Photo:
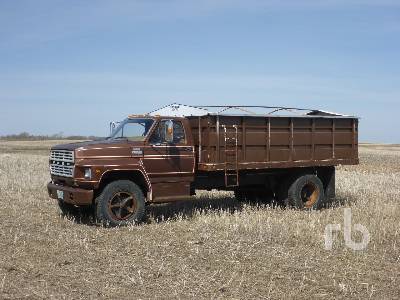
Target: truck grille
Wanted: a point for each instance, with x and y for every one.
(62, 163)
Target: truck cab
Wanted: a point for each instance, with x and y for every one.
(145, 159)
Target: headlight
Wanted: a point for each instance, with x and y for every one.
(88, 173)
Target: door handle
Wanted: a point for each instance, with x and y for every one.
(187, 149)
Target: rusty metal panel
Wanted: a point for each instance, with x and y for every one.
(322, 137)
(343, 138)
(279, 153)
(272, 141)
(343, 151)
(255, 138)
(302, 138)
(303, 152)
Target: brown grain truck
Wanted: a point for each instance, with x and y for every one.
(285, 154)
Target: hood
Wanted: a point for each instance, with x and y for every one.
(73, 146)
(100, 148)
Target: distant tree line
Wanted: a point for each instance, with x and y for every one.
(25, 136)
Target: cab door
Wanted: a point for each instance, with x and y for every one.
(182, 150)
(169, 161)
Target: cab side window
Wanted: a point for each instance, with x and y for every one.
(179, 133)
(158, 136)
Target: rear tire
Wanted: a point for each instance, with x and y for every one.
(120, 203)
(305, 192)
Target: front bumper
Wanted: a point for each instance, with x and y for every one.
(71, 195)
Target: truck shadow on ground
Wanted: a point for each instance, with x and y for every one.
(157, 213)
(189, 209)
(186, 210)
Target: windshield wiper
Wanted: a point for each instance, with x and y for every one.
(120, 138)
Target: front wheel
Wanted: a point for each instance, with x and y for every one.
(120, 203)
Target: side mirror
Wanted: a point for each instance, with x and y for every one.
(169, 131)
(113, 126)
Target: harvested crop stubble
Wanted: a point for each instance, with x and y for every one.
(212, 247)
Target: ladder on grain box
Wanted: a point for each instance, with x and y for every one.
(231, 155)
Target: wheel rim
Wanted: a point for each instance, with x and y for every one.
(309, 194)
(122, 206)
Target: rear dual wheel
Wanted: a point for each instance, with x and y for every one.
(305, 192)
(120, 203)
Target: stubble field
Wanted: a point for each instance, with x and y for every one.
(213, 247)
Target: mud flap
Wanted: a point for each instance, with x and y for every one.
(327, 175)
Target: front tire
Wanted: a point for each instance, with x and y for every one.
(120, 203)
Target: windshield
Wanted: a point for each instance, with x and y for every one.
(132, 129)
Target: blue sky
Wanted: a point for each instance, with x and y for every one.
(72, 66)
